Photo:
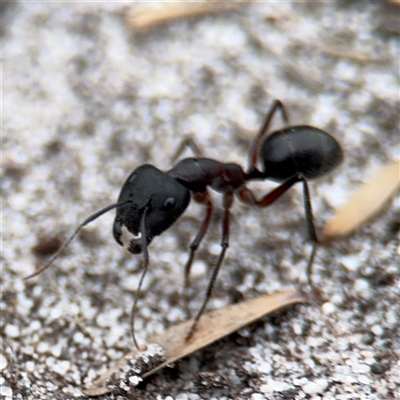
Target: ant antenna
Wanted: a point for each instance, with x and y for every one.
(71, 238)
(145, 269)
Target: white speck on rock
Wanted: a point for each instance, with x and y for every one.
(361, 285)
(265, 368)
(33, 326)
(391, 317)
(318, 386)
(50, 361)
(62, 367)
(12, 331)
(274, 386)
(30, 366)
(42, 347)
(368, 355)
(297, 329)
(199, 269)
(300, 382)
(79, 337)
(314, 342)
(103, 320)
(135, 380)
(360, 368)
(257, 396)
(377, 330)
(352, 263)
(56, 350)
(328, 308)
(364, 380)
(214, 249)
(124, 386)
(3, 361)
(6, 391)
(76, 392)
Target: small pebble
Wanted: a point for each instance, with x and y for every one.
(328, 308)
(61, 367)
(315, 387)
(42, 347)
(11, 331)
(352, 263)
(30, 366)
(377, 330)
(3, 361)
(135, 380)
(361, 285)
(6, 391)
(364, 380)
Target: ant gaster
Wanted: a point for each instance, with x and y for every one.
(151, 200)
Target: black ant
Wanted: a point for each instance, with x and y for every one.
(152, 200)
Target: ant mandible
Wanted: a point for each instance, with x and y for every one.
(151, 200)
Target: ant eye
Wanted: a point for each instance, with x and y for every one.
(169, 203)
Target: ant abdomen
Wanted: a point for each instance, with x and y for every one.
(299, 150)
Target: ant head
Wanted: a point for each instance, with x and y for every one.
(153, 195)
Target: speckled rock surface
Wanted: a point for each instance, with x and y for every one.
(85, 100)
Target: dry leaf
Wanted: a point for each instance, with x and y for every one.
(150, 16)
(365, 203)
(212, 326)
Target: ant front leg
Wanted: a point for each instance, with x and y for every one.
(257, 141)
(247, 196)
(202, 198)
(227, 204)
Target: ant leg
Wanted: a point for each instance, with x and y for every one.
(187, 142)
(247, 196)
(227, 203)
(311, 230)
(255, 144)
(202, 198)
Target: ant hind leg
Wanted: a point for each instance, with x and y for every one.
(312, 234)
(257, 141)
(246, 196)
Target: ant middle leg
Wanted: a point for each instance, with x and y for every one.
(227, 204)
(257, 141)
(202, 198)
(187, 142)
